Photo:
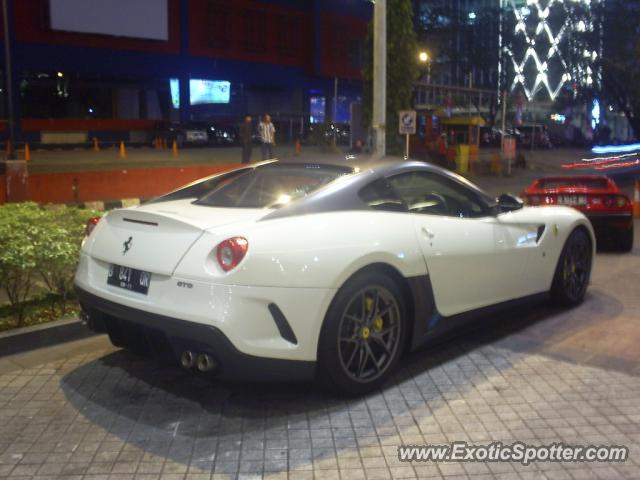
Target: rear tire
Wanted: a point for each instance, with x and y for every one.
(363, 334)
(625, 240)
(573, 270)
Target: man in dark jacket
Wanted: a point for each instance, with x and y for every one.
(245, 139)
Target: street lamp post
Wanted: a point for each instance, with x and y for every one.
(379, 76)
(11, 153)
(424, 58)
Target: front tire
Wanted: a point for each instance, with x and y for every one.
(573, 270)
(363, 334)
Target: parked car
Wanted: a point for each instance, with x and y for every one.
(189, 134)
(538, 133)
(490, 136)
(286, 270)
(220, 134)
(597, 196)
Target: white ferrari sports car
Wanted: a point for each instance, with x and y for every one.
(289, 270)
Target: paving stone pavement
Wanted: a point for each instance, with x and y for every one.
(85, 410)
(109, 414)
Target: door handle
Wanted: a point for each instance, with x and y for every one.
(428, 233)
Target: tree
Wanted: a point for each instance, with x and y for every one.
(621, 59)
(401, 69)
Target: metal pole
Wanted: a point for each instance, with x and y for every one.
(504, 127)
(533, 130)
(11, 153)
(335, 99)
(406, 148)
(380, 76)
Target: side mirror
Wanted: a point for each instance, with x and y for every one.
(508, 202)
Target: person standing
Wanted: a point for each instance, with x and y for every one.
(268, 137)
(245, 139)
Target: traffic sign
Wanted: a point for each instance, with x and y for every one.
(407, 122)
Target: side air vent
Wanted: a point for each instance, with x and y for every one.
(541, 230)
(284, 328)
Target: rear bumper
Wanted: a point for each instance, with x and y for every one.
(605, 222)
(168, 337)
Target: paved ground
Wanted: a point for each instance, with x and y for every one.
(85, 410)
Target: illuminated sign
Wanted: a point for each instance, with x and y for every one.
(209, 91)
(548, 44)
(174, 86)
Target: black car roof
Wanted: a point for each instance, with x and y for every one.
(342, 194)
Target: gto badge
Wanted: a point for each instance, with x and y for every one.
(555, 229)
(126, 246)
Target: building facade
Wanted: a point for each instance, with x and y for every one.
(548, 46)
(102, 66)
(461, 38)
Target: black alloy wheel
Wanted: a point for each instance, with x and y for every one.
(363, 334)
(573, 271)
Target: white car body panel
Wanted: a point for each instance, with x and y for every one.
(299, 262)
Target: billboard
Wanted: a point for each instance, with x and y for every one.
(209, 91)
(147, 19)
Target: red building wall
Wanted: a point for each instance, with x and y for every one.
(250, 31)
(342, 41)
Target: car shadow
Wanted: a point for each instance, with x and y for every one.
(275, 427)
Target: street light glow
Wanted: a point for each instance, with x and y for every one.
(424, 57)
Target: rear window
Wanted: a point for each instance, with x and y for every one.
(269, 186)
(596, 183)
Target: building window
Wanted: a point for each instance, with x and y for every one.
(286, 35)
(218, 26)
(255, 32)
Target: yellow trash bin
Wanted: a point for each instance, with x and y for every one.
(462, 160)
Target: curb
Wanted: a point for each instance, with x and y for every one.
(45, 335)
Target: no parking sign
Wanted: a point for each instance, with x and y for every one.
(407, 126)
(407, 122)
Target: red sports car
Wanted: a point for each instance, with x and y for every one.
(598, 197)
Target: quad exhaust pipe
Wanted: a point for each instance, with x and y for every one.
(203, 362)
(187, 359)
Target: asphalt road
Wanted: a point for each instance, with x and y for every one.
(86, 410)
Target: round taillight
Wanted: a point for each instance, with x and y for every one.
(91, 224)
(231, 251)
(622, 201)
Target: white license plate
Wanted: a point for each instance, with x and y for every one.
(572, 200)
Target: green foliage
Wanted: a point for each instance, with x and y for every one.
(39, 249)
(402, 69)
(19, 225)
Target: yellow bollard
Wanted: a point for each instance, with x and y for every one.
(27, 152)
(174, 149)
(96, 145)
(123, 150)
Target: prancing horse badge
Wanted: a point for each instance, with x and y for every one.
(126, 246)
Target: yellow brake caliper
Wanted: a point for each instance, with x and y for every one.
(378, 323)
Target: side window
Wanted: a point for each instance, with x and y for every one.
(380, 196)
(433, 194)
